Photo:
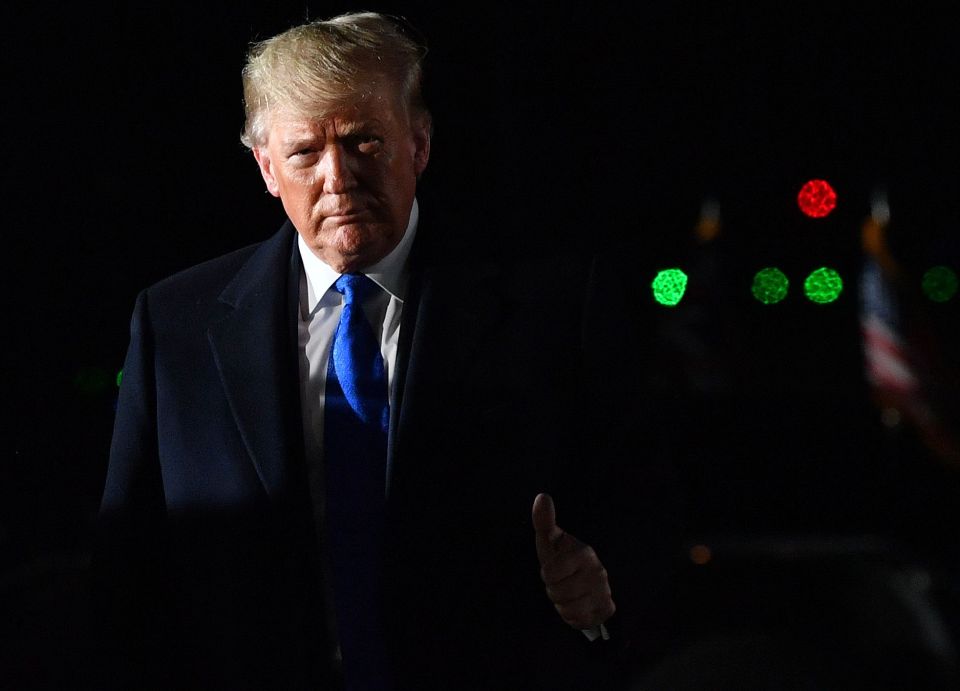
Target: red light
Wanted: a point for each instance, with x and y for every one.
(817, 198)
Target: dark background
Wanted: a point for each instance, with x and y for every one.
(597, 129)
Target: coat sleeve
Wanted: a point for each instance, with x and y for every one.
(133, 480)
(128, 582)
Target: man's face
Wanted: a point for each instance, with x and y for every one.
(347, 182)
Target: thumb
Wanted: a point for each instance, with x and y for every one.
(545, 524)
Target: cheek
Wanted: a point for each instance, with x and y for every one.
(300, 202)
(303, 189)
(303, 179)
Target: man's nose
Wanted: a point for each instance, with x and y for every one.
(336, 166)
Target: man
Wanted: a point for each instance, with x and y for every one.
(263, 528)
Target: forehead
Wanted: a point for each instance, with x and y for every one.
(381, 108)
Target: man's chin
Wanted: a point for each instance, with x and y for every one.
(354, 247)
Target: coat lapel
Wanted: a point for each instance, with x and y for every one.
(254, 346)
(448, 313)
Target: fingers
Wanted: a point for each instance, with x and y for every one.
(567, 557)
(585, 581)
(587, 612)
(583, 600)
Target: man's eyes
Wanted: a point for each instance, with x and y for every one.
(367, 144)
(301, 152)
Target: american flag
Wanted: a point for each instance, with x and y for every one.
(892, 365)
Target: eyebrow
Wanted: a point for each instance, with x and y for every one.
(349, 127)
(354, 126)
(299, 142)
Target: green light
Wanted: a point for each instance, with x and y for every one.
(823, 285)
(770, 285)
(669, 287)
(119, 378)
(940, 283)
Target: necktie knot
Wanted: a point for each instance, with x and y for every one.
(355, 288)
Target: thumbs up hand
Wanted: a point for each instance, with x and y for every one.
(575, 579)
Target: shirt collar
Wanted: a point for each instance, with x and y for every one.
(390, 273)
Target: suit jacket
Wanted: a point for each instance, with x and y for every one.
(209, 559)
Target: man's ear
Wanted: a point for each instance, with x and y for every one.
(422, 127)
(266, 170)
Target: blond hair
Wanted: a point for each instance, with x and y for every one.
(320, 67)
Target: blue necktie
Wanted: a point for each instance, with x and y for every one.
(356, 417)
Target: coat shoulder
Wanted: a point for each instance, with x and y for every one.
(202, 290)
(207, 278)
